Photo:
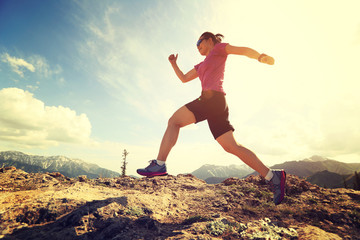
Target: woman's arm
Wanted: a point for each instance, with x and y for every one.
(249, 52)
(192, 74)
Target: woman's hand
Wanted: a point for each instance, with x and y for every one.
(173, 58)
(263, 58)
(192, 74)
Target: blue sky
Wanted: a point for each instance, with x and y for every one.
(87, 79)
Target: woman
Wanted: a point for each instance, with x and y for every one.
(212, 106)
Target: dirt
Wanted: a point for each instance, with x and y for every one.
(52, 206)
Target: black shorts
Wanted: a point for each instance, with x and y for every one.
(212, 106)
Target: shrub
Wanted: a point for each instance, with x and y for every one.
(134, 211)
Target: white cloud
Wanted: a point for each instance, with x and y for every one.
(25, 121)
(36, 64)
(43, 68)
(18, 65)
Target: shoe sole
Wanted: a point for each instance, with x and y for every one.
(153, 174)
(157, 175)
(282, 185)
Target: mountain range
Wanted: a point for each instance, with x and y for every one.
(66, 166)
(216, 174)
(333, 180)
(309, 166)
(318, 170)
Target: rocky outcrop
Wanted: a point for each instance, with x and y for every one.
(51, 206)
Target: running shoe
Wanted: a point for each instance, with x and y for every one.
(154, 169)
(278, 185)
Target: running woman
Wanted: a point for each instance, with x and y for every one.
(212, 106)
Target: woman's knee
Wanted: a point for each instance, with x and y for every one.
(181, 118)
(174, 121)
(230, 147)
(234, 148)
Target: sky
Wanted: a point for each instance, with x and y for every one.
(88, 79)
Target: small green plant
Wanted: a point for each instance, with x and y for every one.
(262, 194)
(220, 227)
(216, 228)
(241, 227)
(134, 211)
(251, 189)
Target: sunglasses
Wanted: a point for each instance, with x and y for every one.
(199, 41)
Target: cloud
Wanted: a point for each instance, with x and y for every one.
(18, 65)
(43, 69)
(36, 64)
(25, 121)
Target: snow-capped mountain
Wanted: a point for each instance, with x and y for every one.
(66, 166)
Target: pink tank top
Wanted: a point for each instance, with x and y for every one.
(211, 70)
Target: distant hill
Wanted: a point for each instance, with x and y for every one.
(310, 166)
(318, 170)
(321, 171)
(216, 174)
(215, 180)
(332, 180)
(66, 166)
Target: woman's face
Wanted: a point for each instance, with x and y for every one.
(204, 45)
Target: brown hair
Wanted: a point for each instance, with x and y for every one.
(217, 38)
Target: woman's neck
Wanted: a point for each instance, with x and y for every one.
(209, 50)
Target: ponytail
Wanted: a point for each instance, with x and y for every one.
(219, 37)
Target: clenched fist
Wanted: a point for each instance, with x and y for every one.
(173, 58)
(263, 58)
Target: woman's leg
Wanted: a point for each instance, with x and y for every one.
(228, 142)
(179, 119)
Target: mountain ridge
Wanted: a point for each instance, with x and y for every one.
(307, 167)
(66, 166)
(304, 168)
(328, 179)
(211, 172)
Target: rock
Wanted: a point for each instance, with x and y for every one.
(114, 229)
(230, 181)
(148, 223)
(10, 168)
(56, 175)
(82, 178)
(312, 232)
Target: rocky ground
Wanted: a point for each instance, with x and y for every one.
(51, 206)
